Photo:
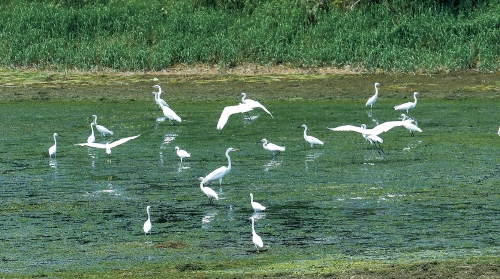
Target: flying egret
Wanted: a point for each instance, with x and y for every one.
(147, 224)
(91, 138)
(310, 139)
(275, 149)
(107, 145)
(169, 113)
(371, 135)
(253, 103)
(409, 105)
(257, 241)
(53, 148)
(230, 110)
(158, 98)
(373, 99)
(255, 205)
(219, 173)
(182, 153)
(101, 129)
(209, 192)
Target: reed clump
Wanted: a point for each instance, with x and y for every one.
(373, 36)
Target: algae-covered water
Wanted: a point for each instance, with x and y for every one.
(431, 196)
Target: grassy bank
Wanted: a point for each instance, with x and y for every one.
(374, 36)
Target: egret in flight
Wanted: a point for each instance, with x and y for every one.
(275, 149)
(255, 205)
(409, 105)
(101, 129)
(158, 98)
(147, 224)
(371, 135)
(310, 139)
(373, 99)
(211, 194)
(108, 145)
(230, 110)
(253, 103)
(257, 241)
(219, 173)
(91, 138)
(53, 148)
(182, 153)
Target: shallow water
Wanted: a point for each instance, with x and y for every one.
(431, 196)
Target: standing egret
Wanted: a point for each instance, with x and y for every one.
(101, 129)
(169, 113)
(91, 138)
(408, 124)
(409, 105)
(53, 148)
(255, 205)
(147, 224)
(373, 99)
(219, 173)
(158, 98)
(253, 103)
(499, 131)
(257, 241)
(209, 192)
(230, 110)
(310, 139)
(272, 147)
(107, 145)
(182, 153)
(371, 135)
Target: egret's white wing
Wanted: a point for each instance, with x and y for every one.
(120, 141)
(349, 128)
(93, 144)
(272, 146)
(214, 175)
(170, 114)
(230, 110)
(384, 127)
(255, 104)
(103, 130)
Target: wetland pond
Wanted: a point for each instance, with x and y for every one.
(429, 197)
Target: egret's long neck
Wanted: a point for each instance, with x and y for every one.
(95, 119)
(415, 97)
(253, 229)
(92, 128)
(251, 198)
(201, 185)
(243, 98)
(55, 140)
(228, 160)
(376, 90)
(148, 214)
(305, 132)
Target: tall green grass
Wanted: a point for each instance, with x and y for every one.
(391, 36)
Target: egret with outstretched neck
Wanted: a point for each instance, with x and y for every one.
(409, 105)
(310, 139)
(91, 138)
(373, 99)
(147, 224)
(53, 148)
(101, 129)
(219, 173)
(107, 145)
(158, 98)
(257, 241)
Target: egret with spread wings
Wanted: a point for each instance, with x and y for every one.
(107, 145)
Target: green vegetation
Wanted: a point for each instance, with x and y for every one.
(374, 36)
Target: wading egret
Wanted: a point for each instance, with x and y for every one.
(182, 153)
(255, 205)
(230, 110)
(408, 124)
(91, 138)
(373, 99)
(53, 148)
(107, 145)
(371, 135)
(275, 149)
(409, 105)
(169, 113)
(158, 98)
(257, 241)
(310, 139)
(253, 103)
(101, 129)
(219, 173)
(147, 224)
(211, 194)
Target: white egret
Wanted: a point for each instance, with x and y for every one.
(275, 149)
(499, 131)
(257, 241)
(408, 124)
(409, 105)
(107, 145)
(253, 103)
(169, 113)
(211, 194)
(310, 139)
(255, 205)
(373, 99)
(147, 224)
(230, 110)
(101, 129)
(158, 98)
(219, 173)
(182, 153)
(91, 138)
(371, 135)
(53, 148)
